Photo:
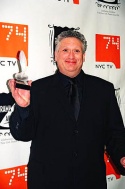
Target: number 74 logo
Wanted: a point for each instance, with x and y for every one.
(13, 38)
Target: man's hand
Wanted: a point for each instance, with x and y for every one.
(21, 96)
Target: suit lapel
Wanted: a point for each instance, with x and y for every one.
(82, 104)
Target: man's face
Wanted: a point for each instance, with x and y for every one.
(69, 56)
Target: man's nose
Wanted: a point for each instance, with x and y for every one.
(71, 54)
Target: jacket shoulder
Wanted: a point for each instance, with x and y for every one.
(97, 81)
(42, 82)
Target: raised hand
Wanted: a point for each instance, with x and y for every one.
(21, 96)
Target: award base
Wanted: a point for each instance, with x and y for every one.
(22, 85)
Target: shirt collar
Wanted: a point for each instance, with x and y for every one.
(65, 79)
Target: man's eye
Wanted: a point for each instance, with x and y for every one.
(65, 50)
(77, 50)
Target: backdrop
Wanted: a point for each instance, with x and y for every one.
(31, 26)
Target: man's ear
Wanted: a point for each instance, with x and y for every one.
(84, 57)
(55, 55)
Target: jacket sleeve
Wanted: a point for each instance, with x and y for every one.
(19, 127)
(115, 145)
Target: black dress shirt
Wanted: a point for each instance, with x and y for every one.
(65, 81)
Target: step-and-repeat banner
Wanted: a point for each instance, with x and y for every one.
(32, 26)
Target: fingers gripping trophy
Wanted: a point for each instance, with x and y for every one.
(20, 85)
(21, 77)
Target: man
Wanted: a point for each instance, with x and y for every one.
(67, 150)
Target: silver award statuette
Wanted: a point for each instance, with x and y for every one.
(21, 77)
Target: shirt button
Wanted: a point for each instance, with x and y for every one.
(76, 131)
(75, 154)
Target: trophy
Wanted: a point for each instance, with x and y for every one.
(21, 77)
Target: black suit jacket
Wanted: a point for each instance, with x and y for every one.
(65, 153)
